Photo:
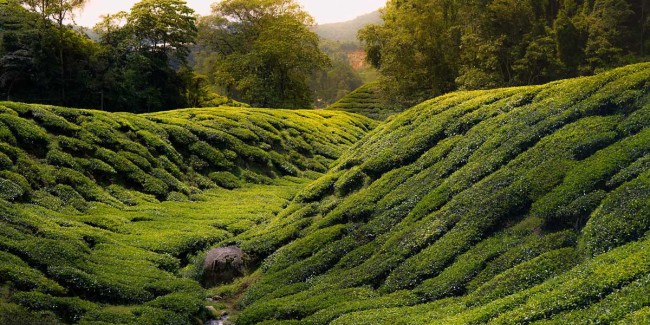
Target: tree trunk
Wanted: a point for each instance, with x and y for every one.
(62, 72)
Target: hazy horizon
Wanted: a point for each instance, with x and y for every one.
(324, 12)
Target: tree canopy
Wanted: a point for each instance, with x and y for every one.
(429, 47)
(262, 51)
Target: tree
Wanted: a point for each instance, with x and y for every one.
(416, 50)
(163, 25)
(57, 11)
(429, 47)
(265, 51)
(143, 62)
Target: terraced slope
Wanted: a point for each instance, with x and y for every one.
(54, 154)
(365, 101)
(514, 205)
(84, 236)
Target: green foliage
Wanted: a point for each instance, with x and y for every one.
(509, 205)
(261, 52)
(164, 25)
(499, 43)
(84, 236)
(225, 180)
(365, 100)
(70, 309)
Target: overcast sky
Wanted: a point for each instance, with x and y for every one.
(325, 11)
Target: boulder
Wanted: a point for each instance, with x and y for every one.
(223, 265)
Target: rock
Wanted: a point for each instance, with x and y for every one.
(213, 311)
(223, 265)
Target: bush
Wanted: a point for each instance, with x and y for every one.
(5, 162)
(9, 190)
(59, 158)
(74, 145)
(226, 180)
(70, 197)
(18, 179)
(53, 122)
(177, 197)
(29, 135)
(71, 309)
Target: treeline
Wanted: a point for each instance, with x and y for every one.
(429, 47)
(138, 63)
(160, 55)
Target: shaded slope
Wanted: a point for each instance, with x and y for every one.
(366, 101)
(83, 234)
(508, 205)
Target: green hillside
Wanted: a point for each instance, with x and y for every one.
(365, 101)
(101, 214)
(515, 205)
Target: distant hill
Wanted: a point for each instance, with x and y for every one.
(347, 31)
(365, 101)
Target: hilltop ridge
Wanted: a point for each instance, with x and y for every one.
(347, 31)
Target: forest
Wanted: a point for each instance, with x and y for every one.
(271, 57)
(428, 48)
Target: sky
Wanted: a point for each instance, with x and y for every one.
(324, 11)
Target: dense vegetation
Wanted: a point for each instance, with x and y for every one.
(262, 51)
(456, 44)
(83, 233)
(139, 61)
(365, 100)
(136, 65)
(527, 204)
(512, 205)
(340, 78)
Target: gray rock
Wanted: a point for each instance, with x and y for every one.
(223, 265)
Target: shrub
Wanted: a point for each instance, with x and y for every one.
(74, 145)
(225, 180)
(623, 217)
(71, 309)
(29, 135)
(59, 158)
(211, 155)
(177, 197)
(9, 190)
(152, 185)
(70, 197)
(53, 122)
(6, 135)
(12, 314)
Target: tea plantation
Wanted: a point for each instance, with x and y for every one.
(365, 101)
(508, 206)
(102, 214)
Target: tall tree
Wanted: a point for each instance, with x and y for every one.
(416, 49)
(428, 47)
(57, 11)
(265, 51)
(167, 26)
(142, 64)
